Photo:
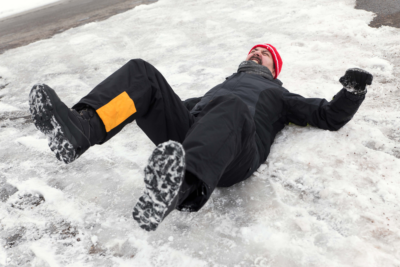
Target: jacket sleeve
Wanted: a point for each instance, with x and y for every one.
(321, 113)
(191, 102)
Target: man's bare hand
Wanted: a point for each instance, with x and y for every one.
(355, 80)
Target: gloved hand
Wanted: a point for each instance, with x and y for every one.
(355, 80)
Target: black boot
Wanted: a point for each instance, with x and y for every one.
(70, 133)
(163, 178)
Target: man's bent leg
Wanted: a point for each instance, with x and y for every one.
(135, 91)
(222, 140)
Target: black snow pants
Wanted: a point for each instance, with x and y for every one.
(219, 142)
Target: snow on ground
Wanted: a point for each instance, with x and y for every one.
(321, 199)
(8, 8)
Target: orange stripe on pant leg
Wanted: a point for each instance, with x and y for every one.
(116, 111)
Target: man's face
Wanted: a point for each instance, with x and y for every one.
(262, 56)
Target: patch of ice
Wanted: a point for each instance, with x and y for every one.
(32, 142)
(6, 107)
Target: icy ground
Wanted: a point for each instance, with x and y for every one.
(321, 199)
(12, 7)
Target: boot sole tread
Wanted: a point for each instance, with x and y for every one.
(43, 116)
(163, 178)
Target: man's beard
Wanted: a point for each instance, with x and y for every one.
(257, 59)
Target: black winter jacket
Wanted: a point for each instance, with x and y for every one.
(272, 106)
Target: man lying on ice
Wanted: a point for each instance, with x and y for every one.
(219, 139)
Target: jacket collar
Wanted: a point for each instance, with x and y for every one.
(254, 68)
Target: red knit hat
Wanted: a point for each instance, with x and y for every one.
(275, 57)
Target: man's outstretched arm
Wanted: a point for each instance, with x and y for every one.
(334, 114)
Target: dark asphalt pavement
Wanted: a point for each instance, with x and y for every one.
(43, 23)
(387, 11)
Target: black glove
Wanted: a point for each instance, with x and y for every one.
(355, 80)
